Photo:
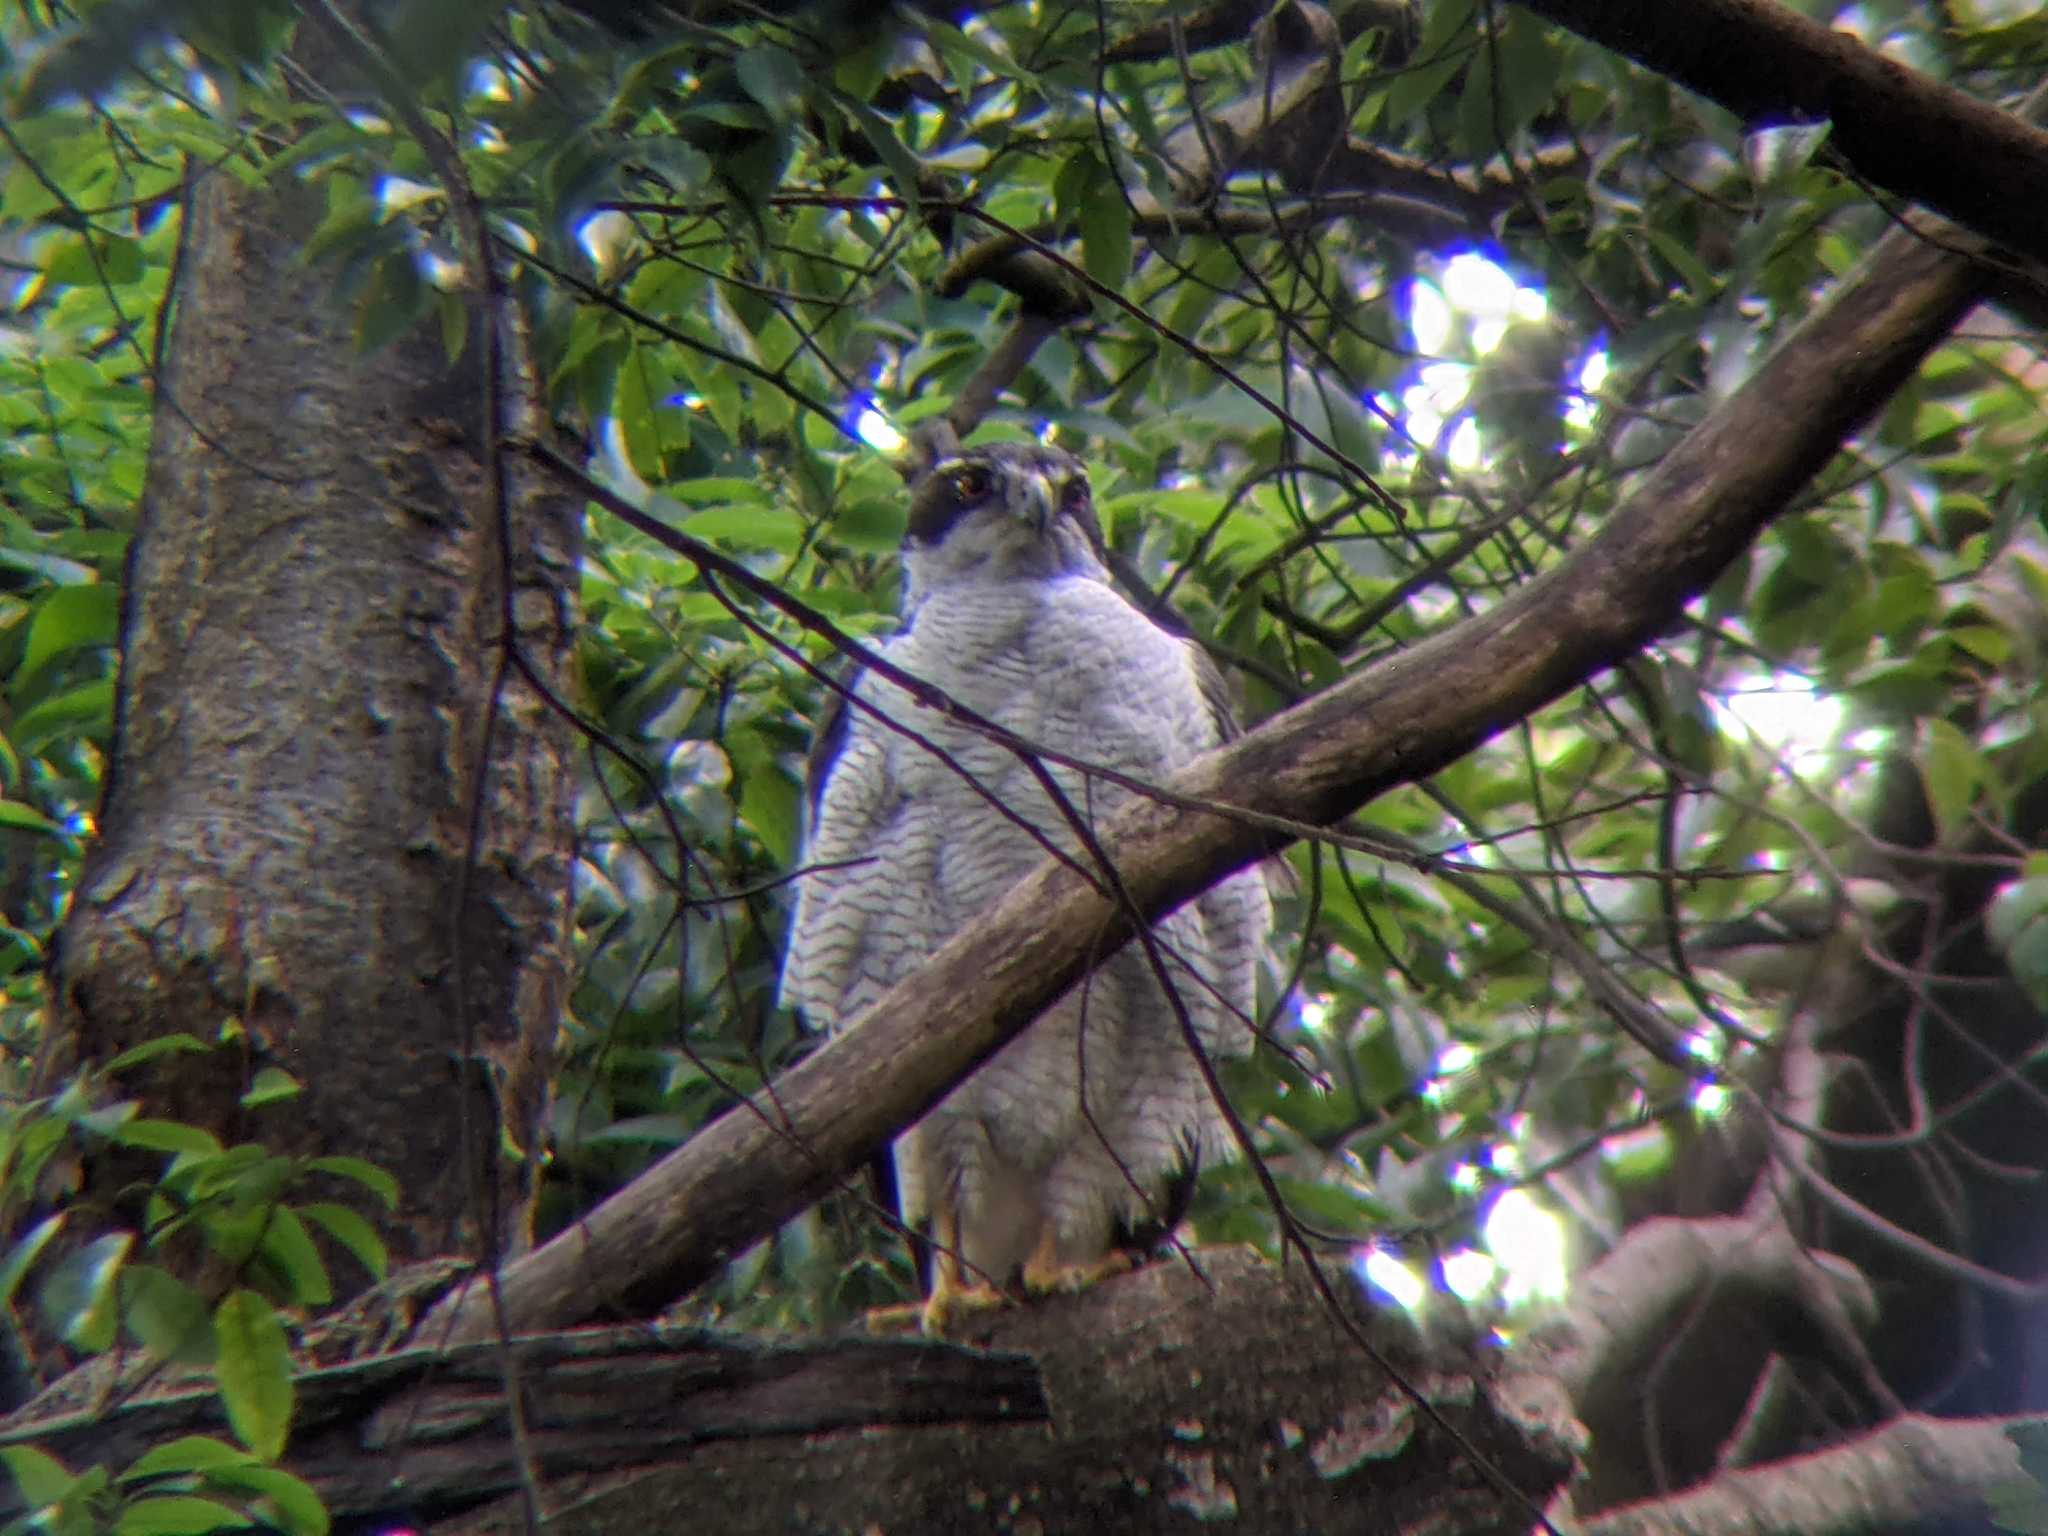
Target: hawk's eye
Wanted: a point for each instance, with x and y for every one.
(1074, 495)
(972, 483)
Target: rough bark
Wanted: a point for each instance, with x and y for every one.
(1139, 1404)
(1903, 130)
(423, 1434)
(307, 730)
(1172, 1405)
(1398, 721)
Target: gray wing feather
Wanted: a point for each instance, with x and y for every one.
(831, 740)
(847, 787)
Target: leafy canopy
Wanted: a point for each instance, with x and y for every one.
(1335, 392)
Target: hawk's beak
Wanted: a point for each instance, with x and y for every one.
(1037, 500)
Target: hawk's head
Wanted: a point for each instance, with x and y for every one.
(1004, 512)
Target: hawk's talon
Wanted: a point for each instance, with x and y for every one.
(951, 1304)
(1055, 1279)
(898, 1317)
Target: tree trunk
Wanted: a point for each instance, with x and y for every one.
(326, 817)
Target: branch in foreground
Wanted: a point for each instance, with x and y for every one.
(1177, 1395)
(425, 1432)
(1411, 715)
(1914, 1469)
(1901, 129)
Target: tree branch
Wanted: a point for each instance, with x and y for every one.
(1914, 1469)
(1901, 129)
(1629, 1308)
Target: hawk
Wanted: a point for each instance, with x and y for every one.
(1083, 1128)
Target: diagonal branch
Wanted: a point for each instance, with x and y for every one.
(1899, 128)
(1398, 721)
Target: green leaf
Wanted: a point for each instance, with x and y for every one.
(772, 76)
(430, 43)
(351, 223)
(271, 1085)
(162, 1045)
(752, 527)
(1984, 641)
(165, 1315)
(87, 710)
(47, 566)
(2017, 923)
(904, 169)
(454, 325)
(682, 167)
(1332, 1207)
(1105, 214)
(394, 302)
(2032, 1441)
(1198, 509)
(367, 1174)
(960, 48)
(69, 619)
(2019, 1505)
(179, 1514)
(23, 1255)
(76, 261)
(870, 523)
(188, 1453)
(716, 490)
(289, 1248)
(1513, 77)
(1445, 49)
(1951, 770)
(254, 1369)
(352, 1232)
(79, 1300)
(771, 806)
(1698, 279)
(294, 1506)
(166, 1136)
(41, 1477)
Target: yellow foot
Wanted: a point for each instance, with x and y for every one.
(951, 1304)
(1048, 1278)
(937, 1314)
(903, 1317)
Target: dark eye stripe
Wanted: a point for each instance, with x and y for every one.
(955, 487)
(940, 499)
